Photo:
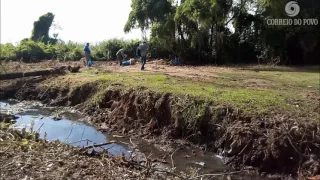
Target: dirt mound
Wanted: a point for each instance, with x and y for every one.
(280, 146)
(55, 71)
(271, 144)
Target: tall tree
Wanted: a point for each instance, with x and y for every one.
(200, 31)
(41, 27)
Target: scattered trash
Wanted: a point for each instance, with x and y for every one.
(56, 118)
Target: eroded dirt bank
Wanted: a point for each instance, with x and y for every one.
(274, 143)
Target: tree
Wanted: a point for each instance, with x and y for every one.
(200, 31)
(41, 27)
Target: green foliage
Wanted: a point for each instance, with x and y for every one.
(29, 50)
(145, 12)
(7, 51)
(41, 27)
(108, 49)
(68, 51)
(198, 30)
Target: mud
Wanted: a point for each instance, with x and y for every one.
(6, 118)
(270, 144)
(56, 71)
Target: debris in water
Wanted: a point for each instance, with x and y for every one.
(200, 163)
(218, 156)
(56, 118)
(117, 136)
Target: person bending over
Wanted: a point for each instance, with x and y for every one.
(120, 55)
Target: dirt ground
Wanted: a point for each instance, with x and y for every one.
(202, 73)
(155, 66)
(199, 73)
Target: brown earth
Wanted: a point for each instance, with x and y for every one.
(271, 144)
(204, 73)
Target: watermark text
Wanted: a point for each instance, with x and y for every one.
(290, 22)
(292, 9)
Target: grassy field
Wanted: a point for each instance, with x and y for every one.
(251, 89)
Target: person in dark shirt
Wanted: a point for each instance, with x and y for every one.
(143, 50)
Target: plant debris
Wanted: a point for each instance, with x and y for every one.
(24, 156)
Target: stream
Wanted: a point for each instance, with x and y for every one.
(72, 129)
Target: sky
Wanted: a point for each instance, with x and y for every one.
(81, 20)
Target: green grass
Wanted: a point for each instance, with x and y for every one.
(277, 79)
(279, 95)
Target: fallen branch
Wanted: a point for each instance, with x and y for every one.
(172, 157)
(99, 145)
(133, 144)
(1, 152)
(295, 149)
(222, 174)
(69, 135)
(81, 141)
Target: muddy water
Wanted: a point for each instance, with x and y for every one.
(71, 129)
(68, 129)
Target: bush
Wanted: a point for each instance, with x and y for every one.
(49, 50)
(107, 50)
(30, 51)
(68, 51)
(7, 52)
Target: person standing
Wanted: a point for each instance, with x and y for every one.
(143, 48)
(87, 54)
